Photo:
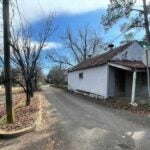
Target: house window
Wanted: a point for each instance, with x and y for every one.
(81, 75)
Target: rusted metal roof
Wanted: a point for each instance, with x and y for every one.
(130, 64)
(100, 59)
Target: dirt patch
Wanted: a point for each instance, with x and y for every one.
(24, 116)
(17, 98)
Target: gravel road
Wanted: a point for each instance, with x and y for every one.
(85, 125)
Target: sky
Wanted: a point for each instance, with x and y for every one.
(72, 13)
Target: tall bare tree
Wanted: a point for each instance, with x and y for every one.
(81, 44)
(26, 53)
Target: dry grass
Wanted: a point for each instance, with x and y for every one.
(15, 90)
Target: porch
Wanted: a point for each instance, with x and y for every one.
(127, 79)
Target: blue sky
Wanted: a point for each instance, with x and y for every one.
(74, 14)
(91, 18)
(73, 21)
(76, 21)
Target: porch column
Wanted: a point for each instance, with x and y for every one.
(133, 89)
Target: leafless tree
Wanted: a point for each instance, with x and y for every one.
(26, 53)
(81, 44)
(55, 57)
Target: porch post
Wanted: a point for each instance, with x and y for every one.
(133, 89)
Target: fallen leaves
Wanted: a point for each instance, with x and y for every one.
(124, 105)
(24, 116)
(121, 104)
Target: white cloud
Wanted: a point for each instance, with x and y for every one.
(32, 10)
(48, 45)
(52, 45)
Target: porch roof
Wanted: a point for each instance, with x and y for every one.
(128, 65)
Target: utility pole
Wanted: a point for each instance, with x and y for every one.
(7, 68)
(146, 23)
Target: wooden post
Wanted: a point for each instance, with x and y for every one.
(7, 69)
(133, 89)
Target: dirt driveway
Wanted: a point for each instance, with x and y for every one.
(86, 125)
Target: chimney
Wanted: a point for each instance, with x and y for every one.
(111, 46)
(90, 55)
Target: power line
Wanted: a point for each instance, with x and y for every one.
(117, 37)
(41, 8)
(16, 5)
(22, 5)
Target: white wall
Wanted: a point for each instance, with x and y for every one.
(94, 80)
(133, 52)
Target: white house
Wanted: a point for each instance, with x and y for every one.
(116, 73)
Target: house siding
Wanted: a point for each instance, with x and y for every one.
(95, 80)
(133, 52)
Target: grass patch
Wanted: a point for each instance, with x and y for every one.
(15, 90)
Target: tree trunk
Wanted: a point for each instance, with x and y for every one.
(28, 97)
(35, 84)
(31, 88)
(31, 93)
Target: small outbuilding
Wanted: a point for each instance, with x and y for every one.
(119, 72)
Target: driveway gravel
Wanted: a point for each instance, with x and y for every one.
(86, 125)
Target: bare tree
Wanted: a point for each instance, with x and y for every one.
(81, 44)
(127, 38)
(56, 76)
(136, 17)
(26, 54)
(55, 57)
